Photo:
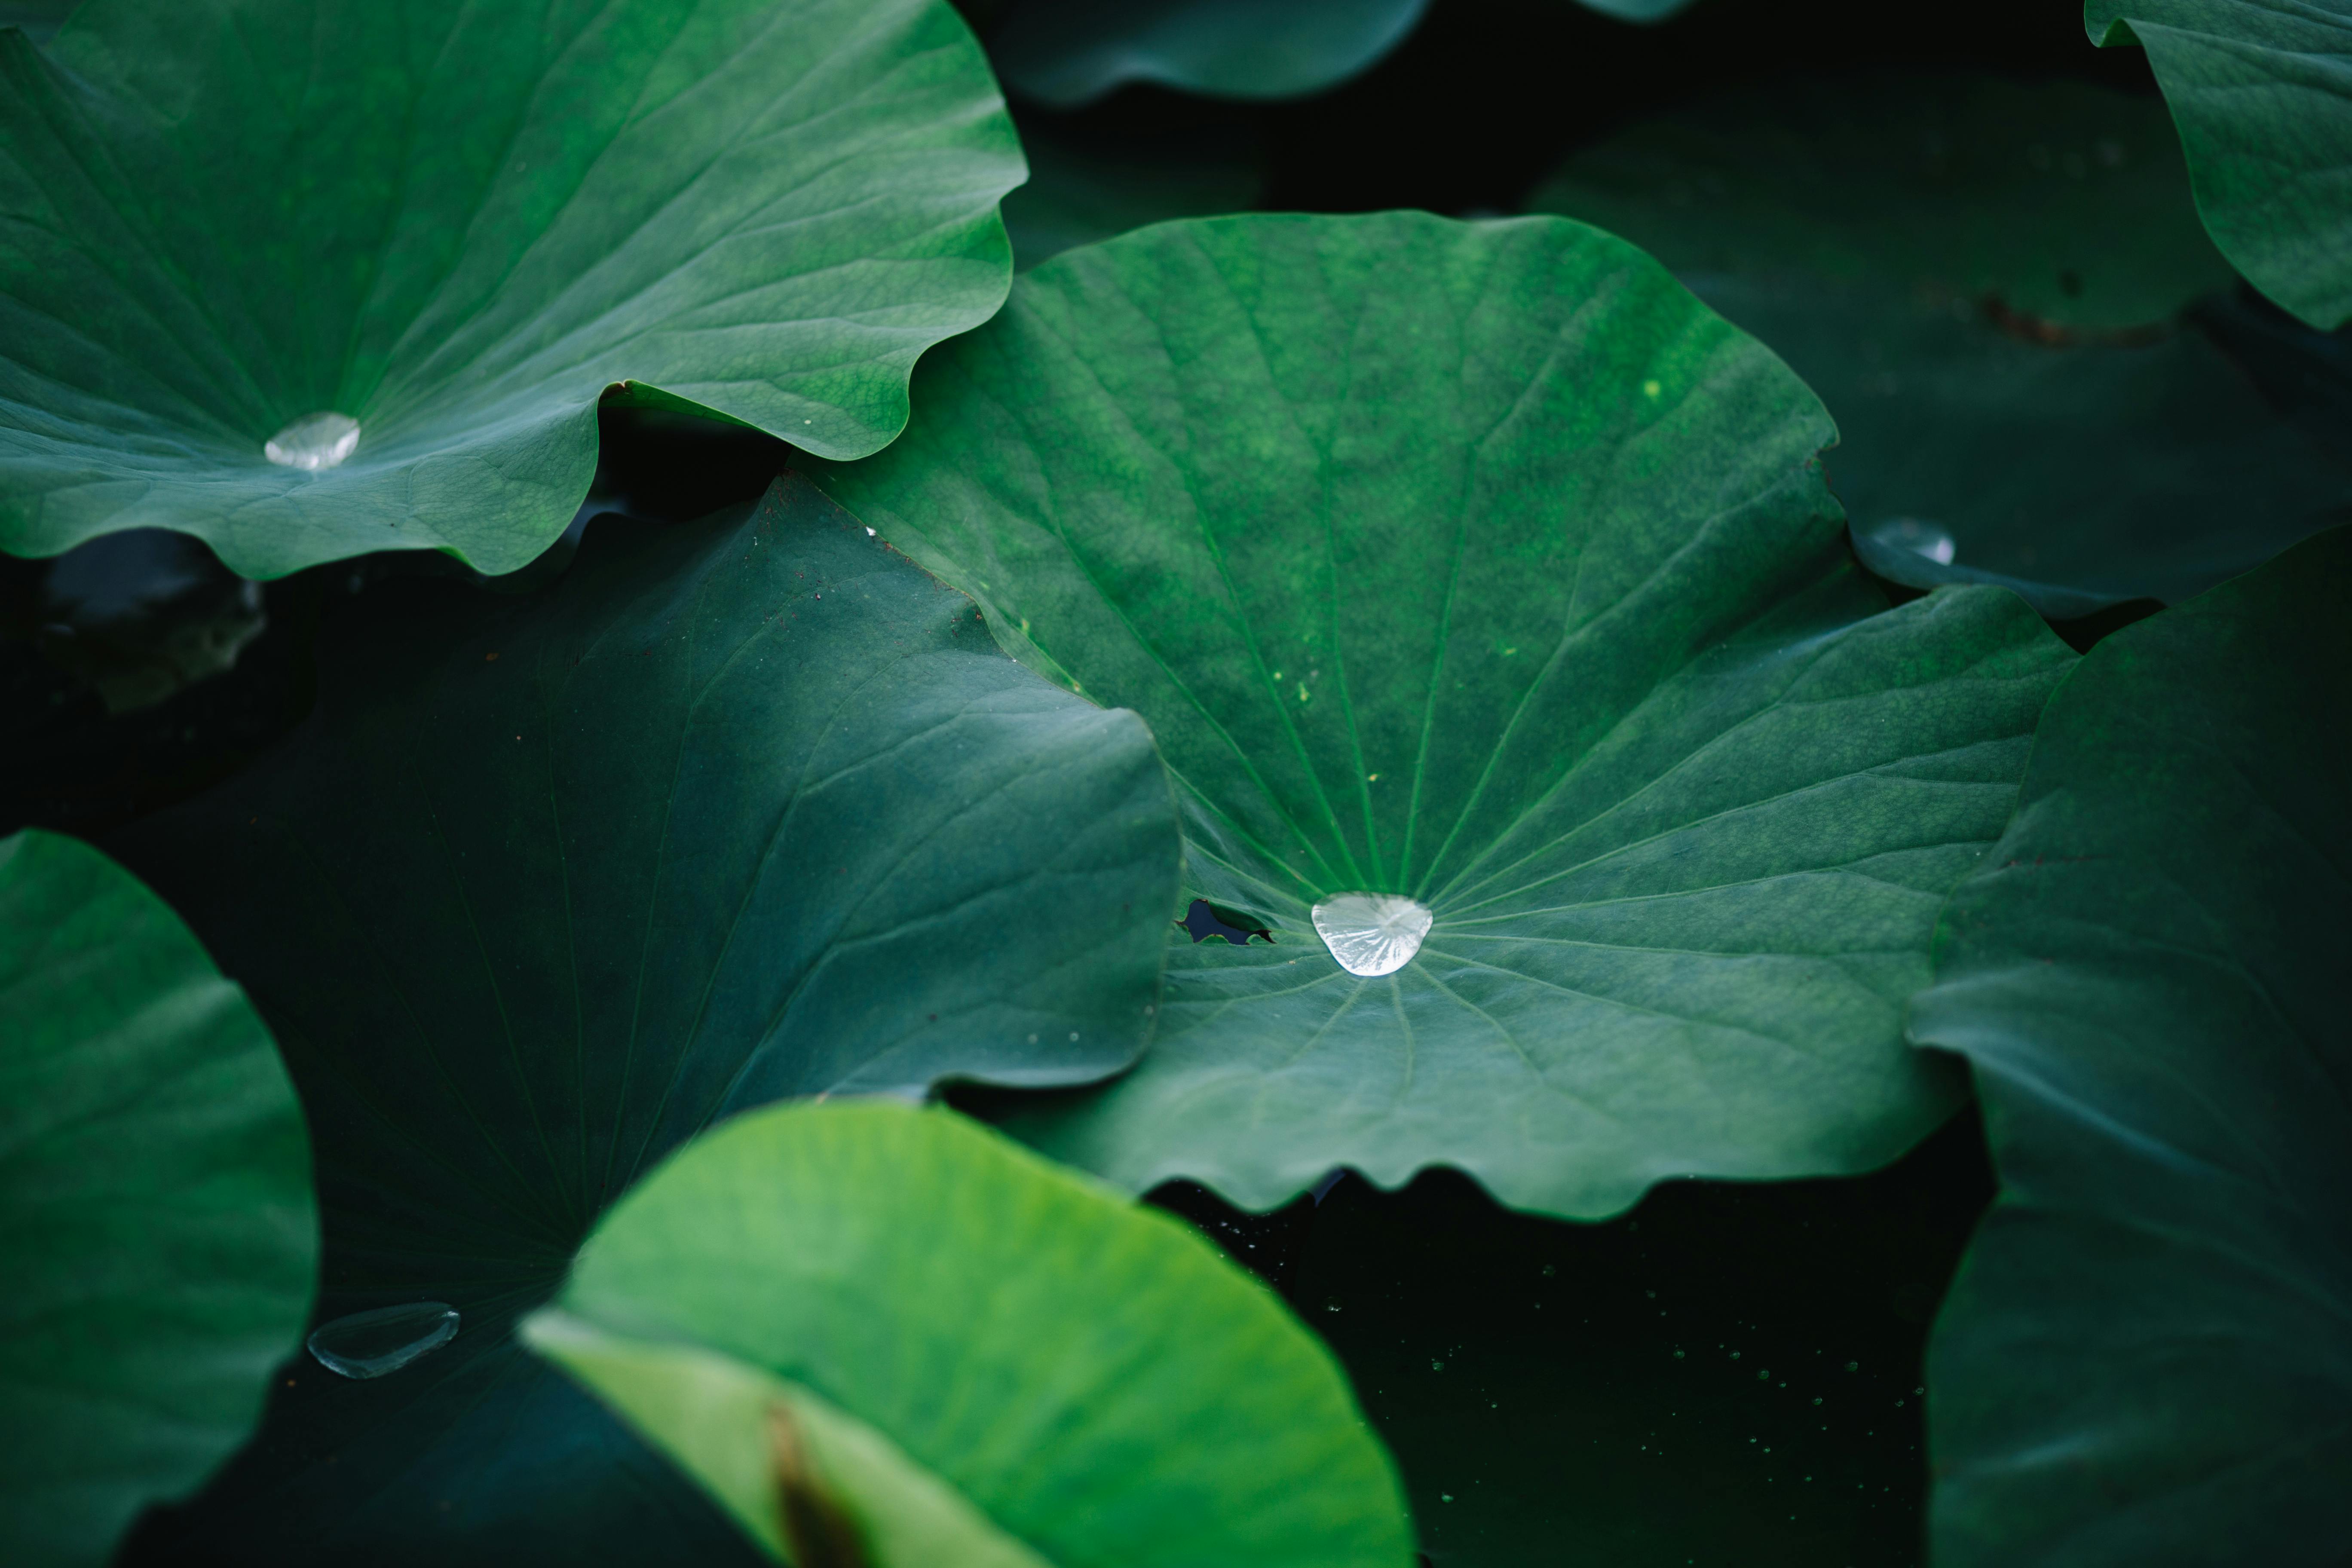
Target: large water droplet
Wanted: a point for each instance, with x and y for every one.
(369, 1344)
(313, 442)
(1371, 934)
(1921, 537)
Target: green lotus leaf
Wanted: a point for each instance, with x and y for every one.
(2077, 475)
(1943, 259)
(2066, 201)
(2146, 1358)
(974, 1357)
(731, 812)
(456, 225)
(1479, 565)
(1068, 52)
(2262, 90)
(160, 1239)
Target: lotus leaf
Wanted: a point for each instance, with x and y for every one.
(732, 811)
(1482, 565)
(2077, 475)
(2146, 1358)
(160, 1239)
(989, 1361)
(2064, 201)
(447, 229)
(2262, 90)
(1944, 259)
(1067, 52)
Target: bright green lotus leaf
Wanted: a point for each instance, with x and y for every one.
(157, 1230)
(1068, 52)
(2064, 201)
(2262, 90)
(732, 811)
(2077, 475)
(1080, 192)
(1483, 564)
(2147, 1358)
(457, 224)
(984, 1358)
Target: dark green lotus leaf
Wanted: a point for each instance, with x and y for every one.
(1483, 564)
(733, 811)
(989, 1360)
(1637, 10)
(457, 224)
(2066, 201)
(1950, 262)
(2262, 90)
(1081, 191)
(157, 1231)
(39, 18)
(1067, 52)
(2077, 475)
(2147, 1358)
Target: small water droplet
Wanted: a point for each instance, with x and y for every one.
(1372, 935)
(313, 442)
(1921, 537)
(370, 1344)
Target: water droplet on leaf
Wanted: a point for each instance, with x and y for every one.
(1921, 537)
(313, 442)
(1372, 935)
(370, 1344)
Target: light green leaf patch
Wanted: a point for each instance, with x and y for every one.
(973, 1357)
(2262, 90)
(2147, 1358)
(1484, 565)
(734, 811)
(456, 225)
(157, 1230)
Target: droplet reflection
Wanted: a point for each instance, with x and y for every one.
(1372, 935)
(1920, 538)
(370, 1344)
(313, 442)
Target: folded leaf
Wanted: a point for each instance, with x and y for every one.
(985, 1360)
